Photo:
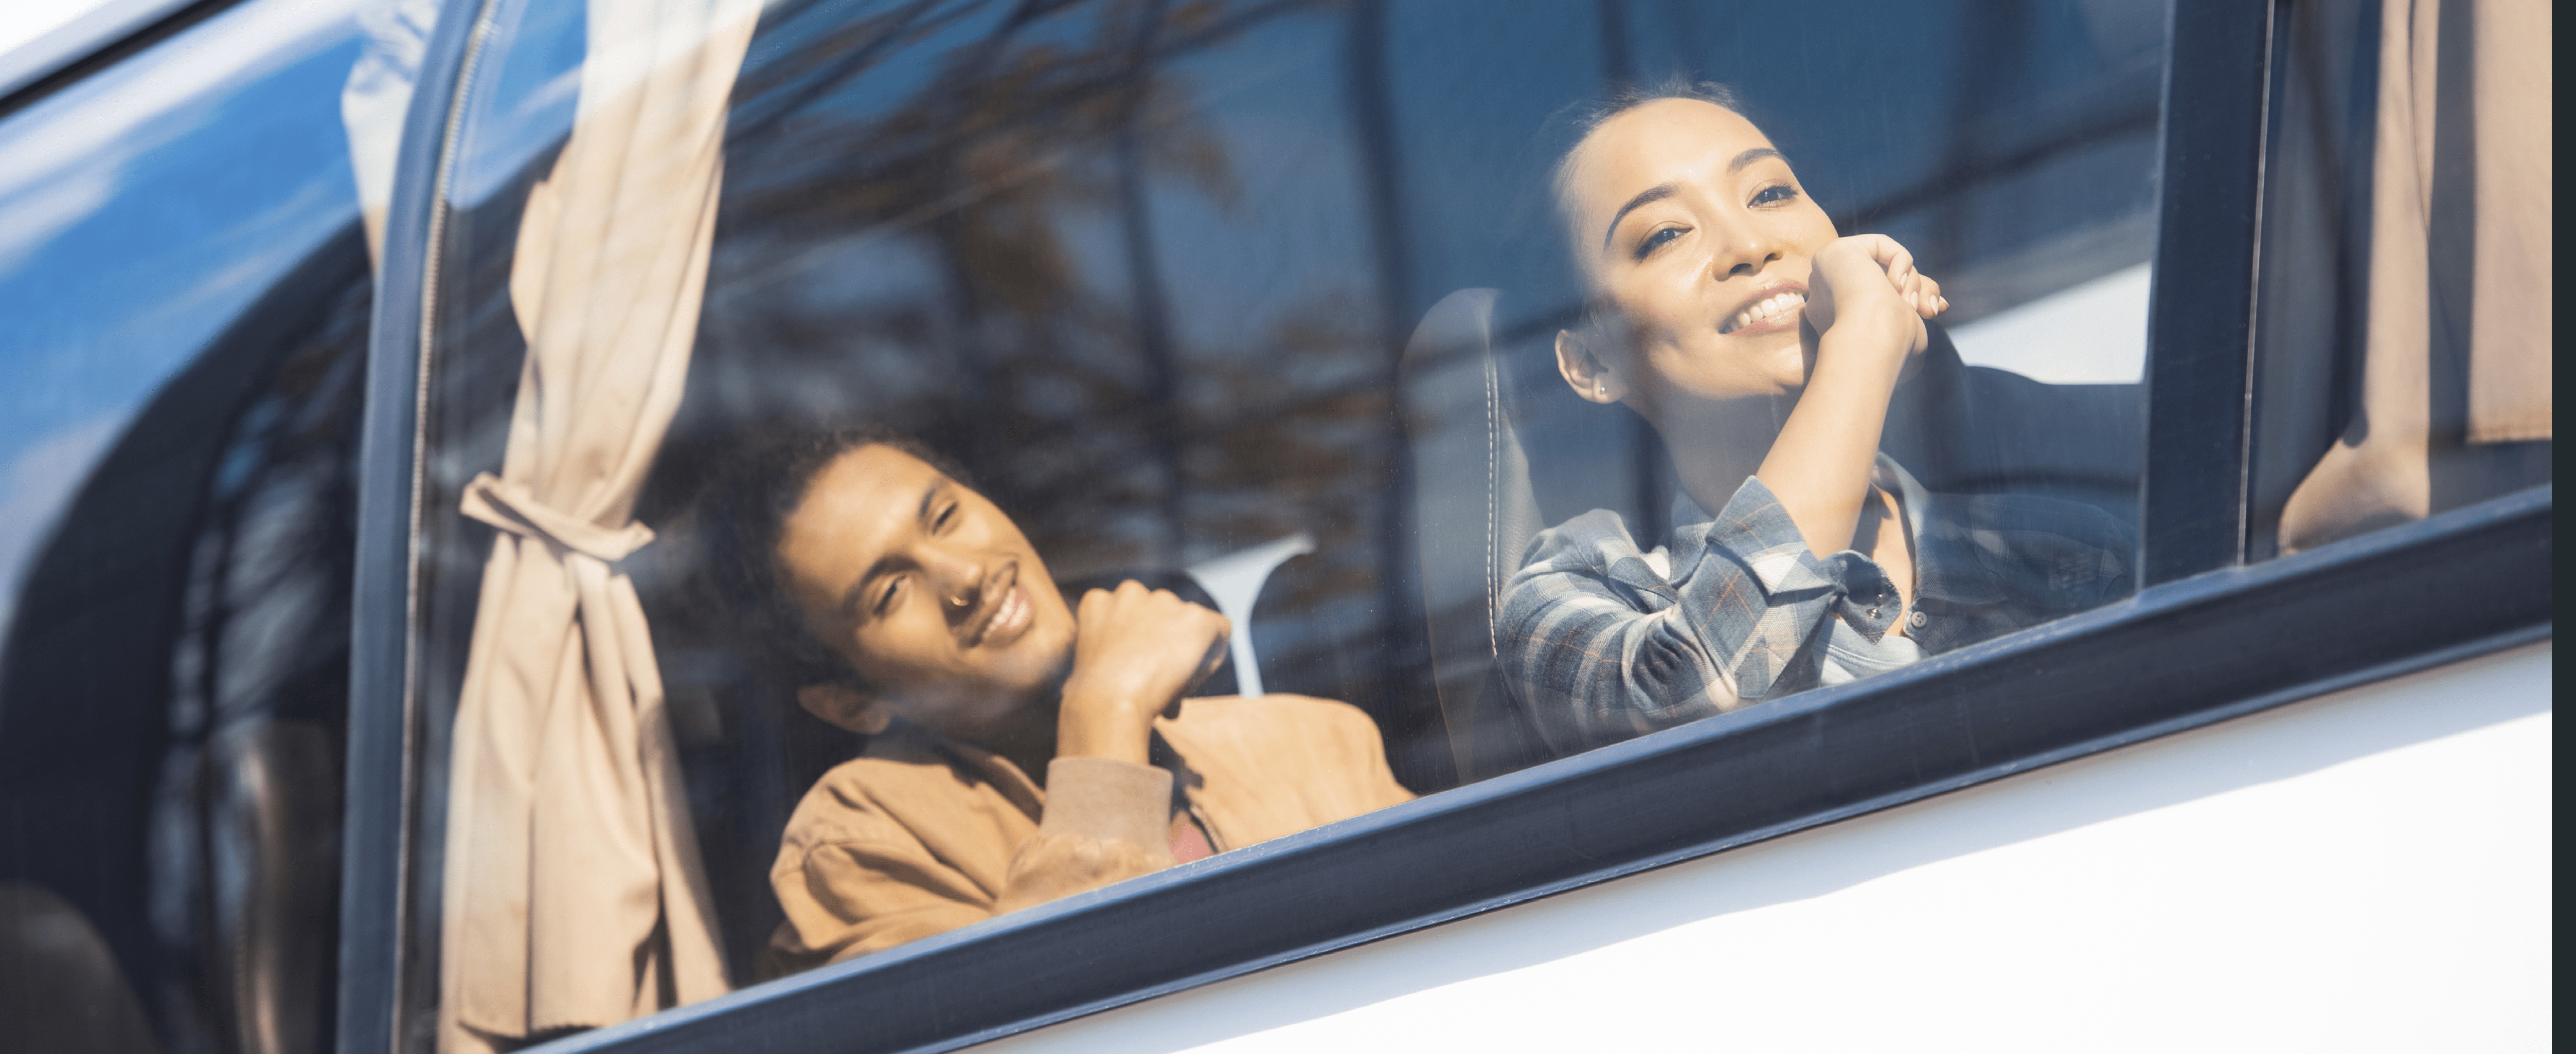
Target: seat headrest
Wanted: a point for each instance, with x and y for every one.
(1474, 515)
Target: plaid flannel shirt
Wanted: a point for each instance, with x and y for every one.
(1601, 640)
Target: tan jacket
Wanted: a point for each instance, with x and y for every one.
(922, 834)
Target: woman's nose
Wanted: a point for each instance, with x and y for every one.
(1743, 248)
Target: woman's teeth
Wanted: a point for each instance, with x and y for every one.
(1778, 307)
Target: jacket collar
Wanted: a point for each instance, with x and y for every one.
(905, 740)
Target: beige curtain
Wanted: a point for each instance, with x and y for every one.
(2509, 357)
(2492, 83)
(574, 895)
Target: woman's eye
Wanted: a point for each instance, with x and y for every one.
(1657, 239)
(1770, 194)
(886, 594)
(940, 522)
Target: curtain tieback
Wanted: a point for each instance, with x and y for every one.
(510, 507)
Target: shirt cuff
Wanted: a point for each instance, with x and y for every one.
(1108, 800)
(1757, 529)
(1864, 597)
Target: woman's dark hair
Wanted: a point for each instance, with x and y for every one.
(740, 518)
(1583, 119)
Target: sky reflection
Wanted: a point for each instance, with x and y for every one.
(140, 211)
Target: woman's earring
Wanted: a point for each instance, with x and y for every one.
(1601, 388)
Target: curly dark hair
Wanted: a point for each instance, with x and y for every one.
(741, 516)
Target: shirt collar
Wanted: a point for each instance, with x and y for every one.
(1912, 501)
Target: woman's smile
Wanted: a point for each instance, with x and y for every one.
(1774, 309)
(1706, 250)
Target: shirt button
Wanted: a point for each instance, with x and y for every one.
(1918, 619)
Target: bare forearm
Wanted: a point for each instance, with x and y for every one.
(1819, 468)
(1867, 305)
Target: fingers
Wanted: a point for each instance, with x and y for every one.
(1896, 263)
(1892, 256)
(1128, 594)
(1924, 296)
(1900, 272)
(1218, 628)
(1134, 600)
(1212, 661)
(1188, 621)
(1099, 603)
(1920, 291)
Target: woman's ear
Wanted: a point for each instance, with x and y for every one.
(843, 706)
(1584, 371)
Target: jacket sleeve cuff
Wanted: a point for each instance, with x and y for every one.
(1108, 800)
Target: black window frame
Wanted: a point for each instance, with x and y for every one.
(2173, 657)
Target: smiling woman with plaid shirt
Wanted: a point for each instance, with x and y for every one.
(1763, 347)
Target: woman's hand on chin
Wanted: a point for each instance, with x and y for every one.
(1865, 294)
(1867, 305)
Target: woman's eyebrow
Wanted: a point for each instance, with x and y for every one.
(1660, 191)
(1753, 155)
(1649, 196)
